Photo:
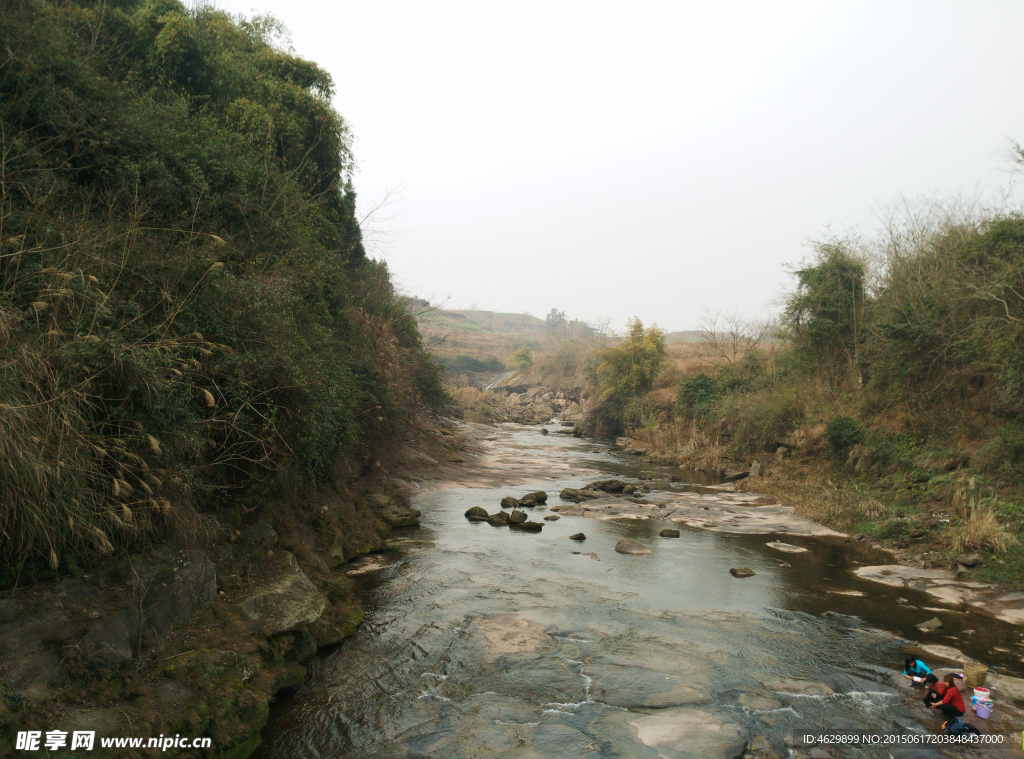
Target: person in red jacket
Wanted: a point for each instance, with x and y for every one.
(952, 703)
(935, 690)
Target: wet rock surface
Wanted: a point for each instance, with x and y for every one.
(509, 644)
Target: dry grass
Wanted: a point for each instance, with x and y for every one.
(979, 526)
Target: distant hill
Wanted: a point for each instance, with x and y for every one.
(474, 342)
(686, 336)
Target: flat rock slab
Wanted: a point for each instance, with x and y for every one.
(286, 602)
(944, 585)
(758, 702)
(511, 634)
(639, 687)
(798, 687)
(690, 734)
(720, 511)
(786, 547)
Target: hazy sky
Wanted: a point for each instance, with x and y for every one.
(653, 159)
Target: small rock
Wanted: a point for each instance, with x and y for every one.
(629, 490)
(631, 547)
(785, 565)
(499, 519)
(780, 452)
(543, 431)
(967, 632)
(578, 536)
(517, 517)
(534, 499)
(508, 502)
(675, 478)
(669, 533)
(742, 572)
(918, 533)
(755, 469)
(932, 624)
(476, 514)
(261, 533)
(551, 518)
(528, 526)
(972, 559)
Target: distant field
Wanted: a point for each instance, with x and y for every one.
(463, 340)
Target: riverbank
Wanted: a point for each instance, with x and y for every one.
(195, 639)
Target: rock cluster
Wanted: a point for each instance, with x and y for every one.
(516, 520)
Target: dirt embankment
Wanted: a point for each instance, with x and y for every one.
(195, 640)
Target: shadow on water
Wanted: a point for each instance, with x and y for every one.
(421, 676)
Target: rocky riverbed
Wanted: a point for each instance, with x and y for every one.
(481, 640)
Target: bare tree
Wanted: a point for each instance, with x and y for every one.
(730, 336)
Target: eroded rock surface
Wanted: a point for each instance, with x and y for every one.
(288, 601)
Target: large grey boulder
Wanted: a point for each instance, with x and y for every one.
(631, 547)
(517, 517)
(576, 495)
(286, 602)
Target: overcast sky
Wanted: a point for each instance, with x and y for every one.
(653, 159)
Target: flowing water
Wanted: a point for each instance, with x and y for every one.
(485, 642)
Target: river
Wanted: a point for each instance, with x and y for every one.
(481, 641)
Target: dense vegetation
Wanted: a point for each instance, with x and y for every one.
(895, 376)
(188, 319)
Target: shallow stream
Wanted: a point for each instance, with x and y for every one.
(485, 642)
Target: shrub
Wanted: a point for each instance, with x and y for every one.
(842, 433)
(521, 359)
(698, 395)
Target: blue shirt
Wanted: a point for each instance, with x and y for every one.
(917, 669)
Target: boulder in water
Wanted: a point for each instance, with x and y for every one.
(607, 486)
(932, 624)
(669, 533)
(742, 572)
(498, 520)
(476, 514)
(527, 526)
(631, 547)
(578, 536)
(508, 502)
(534, 499)
(576, 495)
(517, 517)
(551, 518)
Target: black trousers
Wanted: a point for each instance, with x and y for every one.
(932, 698)
(950, 711)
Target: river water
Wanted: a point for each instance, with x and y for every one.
(485, 642)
